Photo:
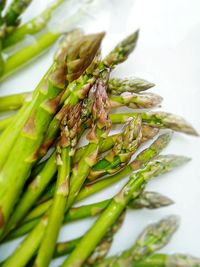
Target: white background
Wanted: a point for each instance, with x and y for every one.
(168, 55)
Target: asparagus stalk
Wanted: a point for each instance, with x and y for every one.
(13, 12)
(5, 122)
(164, 260)
(140, 161)
(136, 101)
(70, 127)
(158, 119)
(125, 145)
(148, 200)
(153, 238)
(132, 189)
(118, 86)
(33, 26)
(13, 102)
(19, 59)
(45, 106)
(8, 138)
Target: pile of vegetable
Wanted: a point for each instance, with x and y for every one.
(44, 171)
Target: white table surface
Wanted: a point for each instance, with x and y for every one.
(168, 55)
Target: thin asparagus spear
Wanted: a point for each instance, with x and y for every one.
(118, 86)
(45, 106)
(13, 102)
(148, 200)
(70, 127)
(154, 237)
(5, 122)
(33, 26)
(158, 119)
(136, 101)
(140, 161)
(125, 146)
(132, 189)
(164, 260)
(19, 59)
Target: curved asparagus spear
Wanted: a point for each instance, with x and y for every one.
(45, 107)
(118, 86)
(148, 100)
(140, 161)
(154, 237)
(131, 190)
(148, 200)
(158, 119)
(164, 260)
(125, 145)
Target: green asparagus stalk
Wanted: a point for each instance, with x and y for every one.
(131, 190)
(13, 102)
(45, 106)
(13, 12)
(148, 200)
(164, 260)
(19, 59)
(136, 101)
(118, 86)
(70, 127)
(158, 119)
(5, 122)
(125, 145)
(33, 26)
(153, 238)
(9, 136)
(140, 161)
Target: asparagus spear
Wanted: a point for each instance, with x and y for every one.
(140, 161)
(70, 127)
(148, 200)
(158, 119)
(45, 106)
(118, 86)
(13, 102)
(164, 260)
(125, 145)
(153, 238)
(135, 101)
(33, 26)
(25, 54)
(8, 138)
(132, 189)
(14, 11)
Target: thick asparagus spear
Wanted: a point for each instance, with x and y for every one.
(164, 260)
(45, 106)
(158, 119)
(145, 100)
(118, 86)
(125, 145)
(148, 200)
(153, 238)
(140, 161)
(132, 189)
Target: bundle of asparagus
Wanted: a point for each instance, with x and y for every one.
(40, 185)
